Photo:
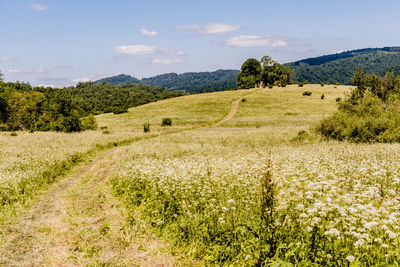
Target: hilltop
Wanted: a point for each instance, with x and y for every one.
(191, 82)
(341, 66)
(324, 69)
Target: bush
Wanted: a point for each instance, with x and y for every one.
(103, 127)
(302, 136)
(301, 84)
(307, 93)
(13, 134)
(322, 84)
(338, 99)
(243, 99)
(89, 123)
(106, 132)
(120, 110)
(166, 122)
(270, 86)
(322, 96)
(146, 127)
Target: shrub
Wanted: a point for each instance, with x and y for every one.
(307, 93)
(89, 123)
(302, 136)
(301, 84)
(103, 127)
(146, 127)
(120, 110)
(13, 134)
(322, 84)
(270, 86)
(338, 99)
(322, 96)
(166, 122)
(243, 99)
(106, 132)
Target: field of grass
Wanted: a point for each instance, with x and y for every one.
(213, 193)
(30, 161)
(244, 193)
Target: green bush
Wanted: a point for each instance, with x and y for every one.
(338, 99)
(146, 127)
(307, 93)
(89, 123)
(120, 110)
(370, 113)
(322, 96)
(166, 122)
(13, 134)
(302, 136)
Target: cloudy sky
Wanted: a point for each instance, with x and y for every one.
(50, 42)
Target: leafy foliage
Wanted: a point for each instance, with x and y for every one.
(370, 113)
(103, 97)
(37, 109)
(265, 73)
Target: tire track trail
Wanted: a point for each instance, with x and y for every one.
(77, 222)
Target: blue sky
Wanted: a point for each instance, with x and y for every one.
(59, 43)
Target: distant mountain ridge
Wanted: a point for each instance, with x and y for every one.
(191, 82)
(338, 67)
(341, 66)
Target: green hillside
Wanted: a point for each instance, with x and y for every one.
(191, 82)
(341, 66)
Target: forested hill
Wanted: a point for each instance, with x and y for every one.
(341, 66)
(191, 82)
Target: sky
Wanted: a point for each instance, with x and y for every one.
(59, 43)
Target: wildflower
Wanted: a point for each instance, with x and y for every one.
(350, 258)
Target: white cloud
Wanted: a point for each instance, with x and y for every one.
(5, 59)
(83, 79)
(39, 70)
(212, 28)
(136, 49)
(147, 50)
(166, 61)
(13, 71)
(38, 7)
(148, 33)
(257, 41)
(218, 28)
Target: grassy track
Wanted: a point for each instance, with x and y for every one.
(211, 157)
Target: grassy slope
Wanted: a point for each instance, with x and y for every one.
(322, 180)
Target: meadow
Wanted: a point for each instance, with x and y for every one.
(251, 191)
(31, 161)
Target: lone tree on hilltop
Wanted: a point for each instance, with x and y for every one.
(249, 75)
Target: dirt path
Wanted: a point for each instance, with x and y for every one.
(77, 222)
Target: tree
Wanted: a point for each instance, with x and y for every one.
(267, 61)
(276, 74)
(250, 73)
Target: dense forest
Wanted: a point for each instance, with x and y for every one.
(23, 107)
(102, 97)
(341, 67)
(191, 82)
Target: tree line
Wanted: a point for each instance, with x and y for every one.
(23, 107)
